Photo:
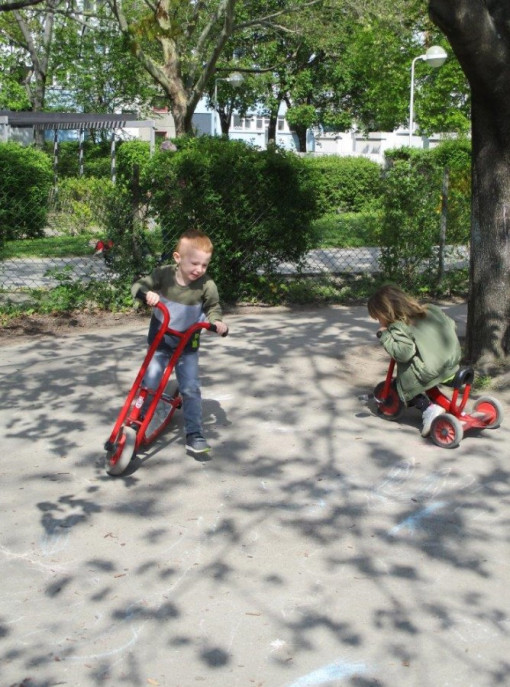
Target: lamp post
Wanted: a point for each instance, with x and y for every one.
(435, 56)
(235, 79)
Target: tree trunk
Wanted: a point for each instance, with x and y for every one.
(489, 298)
(478, 35)
(300, 132)
(38, 48)
(272, 129)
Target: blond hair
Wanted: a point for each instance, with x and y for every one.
(194, 238)
(391, 304)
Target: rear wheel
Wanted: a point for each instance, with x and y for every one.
(491, 409)
(391, 406)
(446, 431)
(117, 460)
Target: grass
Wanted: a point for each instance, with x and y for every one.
(347, 230)
(49, 247)
(482, 383)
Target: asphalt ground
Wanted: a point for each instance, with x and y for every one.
(321, 545)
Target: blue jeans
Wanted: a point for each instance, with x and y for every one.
(186, 371)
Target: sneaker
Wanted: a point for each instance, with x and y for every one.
(196, 443)
(429, 415)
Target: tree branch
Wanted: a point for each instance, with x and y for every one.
(18, 5)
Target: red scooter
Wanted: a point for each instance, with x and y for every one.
(447, 430)
(131, 431)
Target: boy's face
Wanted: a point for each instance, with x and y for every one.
(191, 264)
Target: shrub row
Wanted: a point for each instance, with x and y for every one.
(25, 182)
(258, 206)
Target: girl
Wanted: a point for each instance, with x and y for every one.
(422, 340)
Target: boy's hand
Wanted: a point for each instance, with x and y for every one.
(152, 298)
(221, 327)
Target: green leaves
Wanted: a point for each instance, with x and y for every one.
(25, 182)
(257, 206)
(412, 203)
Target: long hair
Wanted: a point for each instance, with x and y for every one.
(391, 304)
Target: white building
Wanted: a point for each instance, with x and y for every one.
(253, 129)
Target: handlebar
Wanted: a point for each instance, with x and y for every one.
(141, 295)
(212, 327)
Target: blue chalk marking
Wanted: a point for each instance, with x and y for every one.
(414, 521)
(334, 671)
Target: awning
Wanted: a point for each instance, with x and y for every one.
(74, 120)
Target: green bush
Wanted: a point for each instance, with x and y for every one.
(136, 249)
(78, 205)
(257, 206)
(131, 156)
(98, 168)
(455, 156)
(411, 216)
(345, 184)
(25, 183)
(96, 158)
(413, 186)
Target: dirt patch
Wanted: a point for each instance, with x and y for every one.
(24, 328)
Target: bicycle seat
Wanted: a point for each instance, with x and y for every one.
(463, 377)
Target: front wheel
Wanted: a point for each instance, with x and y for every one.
(117, 460)
(162, 415)
(446, 431)
(492, 411)
(391, 406)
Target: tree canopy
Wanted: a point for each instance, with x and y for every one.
(334, 64)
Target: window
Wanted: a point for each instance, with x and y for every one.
(250, 123)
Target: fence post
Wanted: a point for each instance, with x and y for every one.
(113, 158)
(4, 129)
(55, 158)
(80, 152)
(443, 223)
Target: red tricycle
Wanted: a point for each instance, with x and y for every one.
(447, 430)
(134, 429)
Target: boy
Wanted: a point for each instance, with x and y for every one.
(190, 296)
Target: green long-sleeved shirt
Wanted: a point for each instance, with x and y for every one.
(427, 352)
(197, 302)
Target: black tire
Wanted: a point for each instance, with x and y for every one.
(390, 407)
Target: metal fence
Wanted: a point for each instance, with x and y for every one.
(37, 266)
(32, 273)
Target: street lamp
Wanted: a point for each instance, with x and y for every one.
(235, 79)
(435, 56)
